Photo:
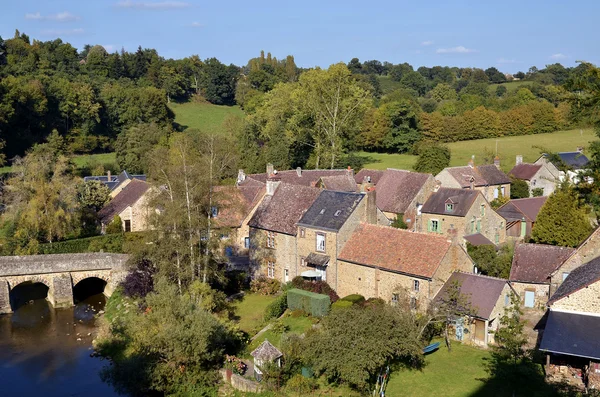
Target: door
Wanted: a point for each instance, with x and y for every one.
(529, 298)
(286, 275)
(128, 225)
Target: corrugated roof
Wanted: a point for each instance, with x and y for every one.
(516, 209)
(579, 278)
(572, 334)
(398, 188)
(394, 249)
(126, 197)
(533, 263)
(525, 171)
(461, 198)
(331, 210)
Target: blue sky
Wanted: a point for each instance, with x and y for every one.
(511, 35)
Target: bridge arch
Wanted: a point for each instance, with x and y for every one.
(26, 291)
(89, 286)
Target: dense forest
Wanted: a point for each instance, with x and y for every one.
(100, 102)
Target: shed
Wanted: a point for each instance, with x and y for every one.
(264, 354)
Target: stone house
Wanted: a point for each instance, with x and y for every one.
(115, 183)
(488, 298)
(488, 179)
(571, 332)
(520, 215)
(367, 178)
(530, 272)
(542, 175)
(387, 263)
(131, 205)
(464, 212)
(326, 227)
(403, 193)
(290, 177)
(272, 229)
(588, 250)
(576, 163)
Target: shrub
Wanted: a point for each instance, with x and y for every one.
(277, 307)
(313, 303)
(354, 299)
(106, 243)
(265, 286)
(279, 327)
(139, 281)
(318, 287)
(341, 304)
(374, 302)
(115, 226)
(537, 192)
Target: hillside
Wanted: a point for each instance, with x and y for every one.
(203, 116)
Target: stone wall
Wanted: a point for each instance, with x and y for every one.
(60, 263)
(541, 291)
(284, 255)
(138, 214)
(585, 300)
(240, 383)
(308, 244)
(544, 179)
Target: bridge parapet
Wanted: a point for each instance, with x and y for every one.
(61, 263)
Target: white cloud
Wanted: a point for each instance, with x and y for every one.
(61, 32)
(197, 25)
(147, 5)
(427, 42)
(504, 60)
(558, 56)
(60, 17)
(454, 50)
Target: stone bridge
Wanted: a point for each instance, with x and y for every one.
(60, 273)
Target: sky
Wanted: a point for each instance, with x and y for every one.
(510, 35)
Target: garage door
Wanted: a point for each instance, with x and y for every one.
(529, 298)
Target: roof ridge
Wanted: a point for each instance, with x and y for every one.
(482, 275)
(406, 231)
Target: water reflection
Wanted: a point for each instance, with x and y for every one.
(46, 352)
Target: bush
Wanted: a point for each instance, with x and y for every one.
(277, 307)
(265, 286)
(106, 243)
(139, 282)
(354, 299)
(313, 303)
(115, 226)
(318, 287)
(374, 302)
(279, 328)
(341, 304)
(537, 192)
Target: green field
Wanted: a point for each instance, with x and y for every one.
(251, 311)
(87, 160)
(511, 86)
(203, 116)
(508, 148)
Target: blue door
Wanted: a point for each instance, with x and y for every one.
(529, 298)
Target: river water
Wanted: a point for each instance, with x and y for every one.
(46, 352)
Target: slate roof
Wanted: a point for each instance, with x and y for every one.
(331, 210)
(266, 352)
(525, 171)
(317, 259)
(533, 263)
(126, 197)
(483, 175)
(397, 189)
(481, 291)
(572, 334)
(374, 174)
(306, 178)
(396, 250)
(114, 180)
(516, 209)
(579, 278)
(340, 183)
(576, 160)
(281, 211)
(235, 203)
(478, 239)
(461, 198)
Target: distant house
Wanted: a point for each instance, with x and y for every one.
(131, 205)
(402, 194)
(520, 215)
(385, 262)
(368, 178)
(326, 227)
(576, 163)
(541, 175)
(531, 268)
(290, 177)
(341, 183)
(461, 212)
(488, 179)
(571, 333)
(488, 298)
(115, 183)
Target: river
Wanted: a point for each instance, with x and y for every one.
(46, 352)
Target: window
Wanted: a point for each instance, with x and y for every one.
(395, 299)
(434, 226)
(565, 275)
(127, 225)
(271, 269)
(419, 206)
(302, 261)
(246, 242)
(302, 232)
(497, 238)
(416, 285)
(533, 183)
(482, 209)
(337, 213)
(496, 193)
(449, 207)
(502, 191)
(322, 211)
(472, 226)
(478, 225)
(413, 303)
(270, 239)
(214, 211)
(506, 300)
(320, 242)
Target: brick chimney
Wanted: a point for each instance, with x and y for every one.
(108, 175)
(371, 208)
(350, 171)
(472, 161)
(497, 162)
(472, 183)
(273, 180)
(299, 171)
(519, 159)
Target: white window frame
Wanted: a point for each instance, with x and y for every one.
(395, 299)
(321, 247)
(270, 269)
(270, 239)
(416, 285)
(437, 228)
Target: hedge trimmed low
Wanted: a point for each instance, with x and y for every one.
(277, 307)
(315, 304)
(354, 298)
(341, 304)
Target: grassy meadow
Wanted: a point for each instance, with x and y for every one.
(511, 86)
(203, 116)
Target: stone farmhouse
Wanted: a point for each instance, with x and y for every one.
(115, 183)
(387, 263)
(290, 177)
(531, 269)
(326, 227)
(520, 215)
(463, 212)
(576, 162)
(488, 179)
(488, 298)
(131, 205)
(541, 175)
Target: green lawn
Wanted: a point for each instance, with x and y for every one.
(251, 310)
(93, 159)
(203, 116)
(446, 374)
(508, 148)
(511, 86)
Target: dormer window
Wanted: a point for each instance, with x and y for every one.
(449, 207)
(337, 213)
(322, 211)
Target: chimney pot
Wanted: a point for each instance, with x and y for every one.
(299, 171)
(241, 176)
(269, 169)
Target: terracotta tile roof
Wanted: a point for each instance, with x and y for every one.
(306, 178)
(525, 171)
(126, 197)
(516, 209)
(397, 189)
(478, 239)
(331, 210)
(533, 263)
(579, 278)
(462, 199)
(340, 183)
(394, 249)
(281, 211)
(482, 175)
(481, 291)
(235, 203)
(266, 352)
(375, 175)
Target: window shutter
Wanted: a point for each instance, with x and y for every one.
(429, 226)
(440, 227)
